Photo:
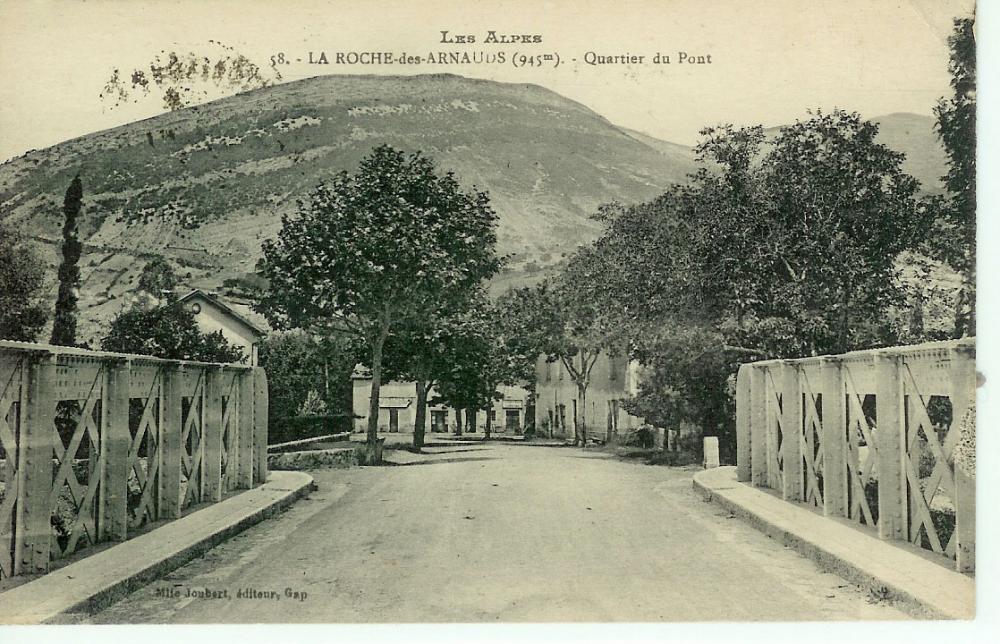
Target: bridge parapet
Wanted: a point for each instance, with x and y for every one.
(882, 437)
(94, 445)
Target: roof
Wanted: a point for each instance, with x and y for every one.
(228, 308)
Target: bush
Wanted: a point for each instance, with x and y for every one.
(691, 442)
(673, 458)
(23, 305)
(308, 380)
(168, 332)
(641, 437)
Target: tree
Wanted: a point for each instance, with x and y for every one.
(486, 349)
(794, 255)
(167, 332)
(422, 352)
(462, 383)
(845, 211)
(301, 367)
(376, 251)
(23, 310)
(784, 249)
(516, 341)
(158, 278)
(576, 329)
(954, 238)
(64, 322)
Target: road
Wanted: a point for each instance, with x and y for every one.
(499, 532)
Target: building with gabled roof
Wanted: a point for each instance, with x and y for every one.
(239, 325)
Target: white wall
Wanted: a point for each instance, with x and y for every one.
(407, 416)
(611, 380)
(212, 319)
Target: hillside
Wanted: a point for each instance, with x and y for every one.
(914, 136)
(204, 186)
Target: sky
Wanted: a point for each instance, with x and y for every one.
(771, 59)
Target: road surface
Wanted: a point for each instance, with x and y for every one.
(499, 532)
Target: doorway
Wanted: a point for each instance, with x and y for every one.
(439, 421)
(512, 420)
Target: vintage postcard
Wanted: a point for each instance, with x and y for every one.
(333, 312)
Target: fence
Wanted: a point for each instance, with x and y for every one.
(884, 438)
(94, 445)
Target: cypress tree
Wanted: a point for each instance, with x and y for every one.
(64, 323)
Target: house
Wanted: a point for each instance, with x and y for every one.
(239, 325)
(398, 401)
(612, 379)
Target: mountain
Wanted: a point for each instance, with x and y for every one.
(204, 186)
(914, 136)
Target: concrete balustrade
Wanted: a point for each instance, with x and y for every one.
(93, 445)
(870, 436)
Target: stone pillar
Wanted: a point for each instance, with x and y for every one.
(710, 449)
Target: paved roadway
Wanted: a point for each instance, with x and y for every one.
(499, 532)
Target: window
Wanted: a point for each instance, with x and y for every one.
(196, 308)
(612, 368)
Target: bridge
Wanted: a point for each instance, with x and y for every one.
(101, 448)
(95, 445)
(885, 438)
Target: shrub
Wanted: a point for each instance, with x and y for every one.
(673, 458)
(306, 378)
(168, 332)
(23, 305)
(641, 437)
(690, 442)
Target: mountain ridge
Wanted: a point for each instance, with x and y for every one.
(203, 186)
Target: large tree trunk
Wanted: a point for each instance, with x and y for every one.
(458, 421)
(487, 431)
(470, 420)
(420, 417)
(582, 412)
(373, 454)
